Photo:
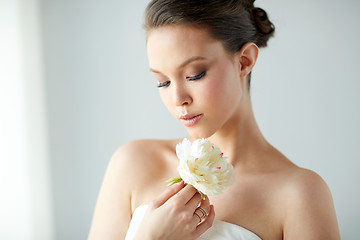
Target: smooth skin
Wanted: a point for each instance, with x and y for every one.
(271, 196)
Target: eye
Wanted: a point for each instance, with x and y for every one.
(163, 84)
(196, 77)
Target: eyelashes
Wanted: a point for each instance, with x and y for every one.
(163, 84)
(196, 77)
(193, 78)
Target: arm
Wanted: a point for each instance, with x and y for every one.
(310, 212)
(113, 210)
(170, 215)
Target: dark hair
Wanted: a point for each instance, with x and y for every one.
(233, 22)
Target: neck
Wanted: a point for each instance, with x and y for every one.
(240, 139)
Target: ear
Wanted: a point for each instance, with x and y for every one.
(247, 58)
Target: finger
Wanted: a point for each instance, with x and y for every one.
(168, 193)
(207, 223)
(205, 204)
(185, 194)
(194, 202)
(202, 210)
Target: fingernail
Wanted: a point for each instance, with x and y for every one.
(178, 183)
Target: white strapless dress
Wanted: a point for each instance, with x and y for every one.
(220, 230)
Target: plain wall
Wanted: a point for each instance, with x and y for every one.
(25, 198)
(100, 94)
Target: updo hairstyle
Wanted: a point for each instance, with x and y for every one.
(233, 22)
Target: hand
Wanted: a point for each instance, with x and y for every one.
(176, 214)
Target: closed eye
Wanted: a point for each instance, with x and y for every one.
(163, 84)
(196, 77)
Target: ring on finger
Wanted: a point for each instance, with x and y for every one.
(200, 213)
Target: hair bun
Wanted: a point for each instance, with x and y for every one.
(265, 28)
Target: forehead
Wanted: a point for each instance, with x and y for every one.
(169, 46)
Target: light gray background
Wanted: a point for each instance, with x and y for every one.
(100, 94)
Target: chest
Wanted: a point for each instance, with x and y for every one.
(253, 207)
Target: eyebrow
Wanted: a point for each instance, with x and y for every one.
(188, 61)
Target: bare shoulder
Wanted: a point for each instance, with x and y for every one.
(304, 182)
(133, 169)
(146, 165)
(141, 159)
(309, 209)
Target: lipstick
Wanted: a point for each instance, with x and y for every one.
(190, 120)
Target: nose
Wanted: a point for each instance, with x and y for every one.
(181, 95)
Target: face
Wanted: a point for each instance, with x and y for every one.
(198, 80)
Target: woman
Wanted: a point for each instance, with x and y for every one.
(202, 54)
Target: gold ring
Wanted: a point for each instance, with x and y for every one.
(198, 216)
(201, 214)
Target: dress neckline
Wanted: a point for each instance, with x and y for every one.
(216, 222)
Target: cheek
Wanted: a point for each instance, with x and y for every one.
(223, 90)
(212, 90)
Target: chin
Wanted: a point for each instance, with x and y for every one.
(197, 133)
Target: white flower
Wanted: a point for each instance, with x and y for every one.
(203, 166)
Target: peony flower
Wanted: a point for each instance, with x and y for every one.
(203, 166)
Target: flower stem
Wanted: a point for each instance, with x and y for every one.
(174, 180)
(202, 195)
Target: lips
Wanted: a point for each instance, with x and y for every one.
(190, 120)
